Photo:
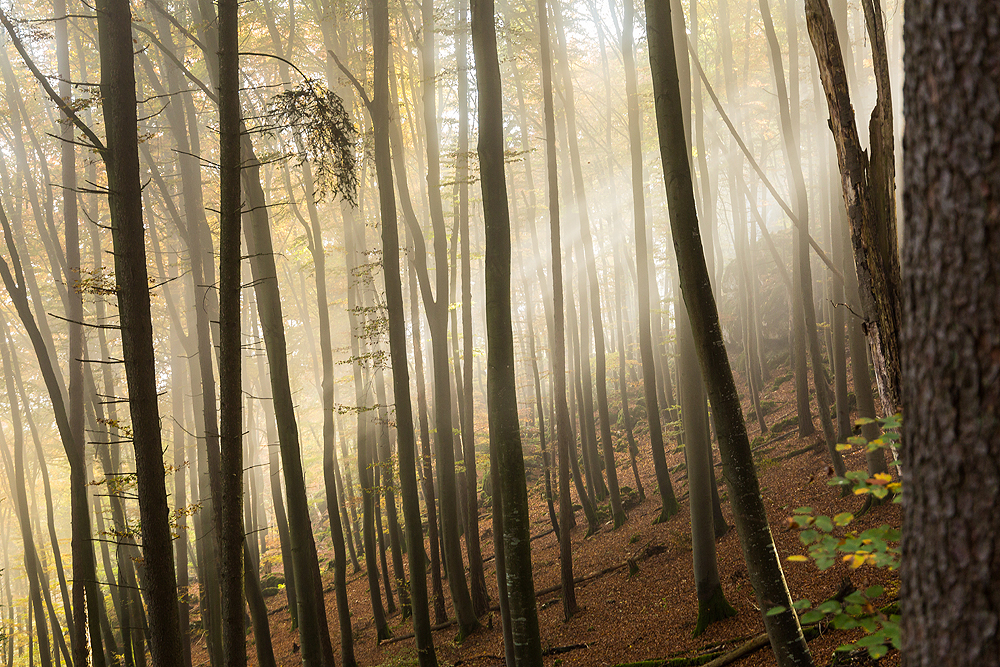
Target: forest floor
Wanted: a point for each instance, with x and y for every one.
(651, 614)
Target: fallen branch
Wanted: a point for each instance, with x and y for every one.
(556, 650)
(533, 538)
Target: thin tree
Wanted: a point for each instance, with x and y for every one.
(505, 432)
(563, 424)
(669, 505)
(766, 576)
(397, 337)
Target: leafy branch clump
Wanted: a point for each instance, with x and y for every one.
(325, 135)
(878, 546)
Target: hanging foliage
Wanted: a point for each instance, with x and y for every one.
(324, 133)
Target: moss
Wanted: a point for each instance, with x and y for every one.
(675, 662)
(766, 407)
(778, 381)
(716, 608)
(785, 423)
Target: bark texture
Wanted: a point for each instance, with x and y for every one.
(868, 182)
(951, 334)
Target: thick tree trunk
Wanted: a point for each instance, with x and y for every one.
(951, 316)
(764, 568)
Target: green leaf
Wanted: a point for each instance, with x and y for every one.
(843, 519)
(844, 622)
(774, 611)
(799, 605)
(824, 523)
(871, 640)
(855, 598)
(808, 536)
(803, 510)
(873, 592)
(829, 607)
(877, 652)
(813, 616)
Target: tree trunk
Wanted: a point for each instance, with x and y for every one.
(437, 587)
(869, 190)
(764, 568)
(505, 433)
(951, 354)
(125, 205)
(712, 604)
(669, 505)
(397, 338)
(790, 136)
(230, 503)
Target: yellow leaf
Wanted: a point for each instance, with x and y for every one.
(797, 559)
(861, 491)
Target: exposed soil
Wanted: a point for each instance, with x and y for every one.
(652, 614)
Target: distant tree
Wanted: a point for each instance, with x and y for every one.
(951, 333)
(712, 603)
(563, 425)
(668, 500)
(397, 337)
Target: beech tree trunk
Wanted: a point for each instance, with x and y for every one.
(505, 432)
(125, 205)
(563, 423)
(764, 568)
(669, 501)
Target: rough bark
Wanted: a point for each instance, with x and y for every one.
(868, 184)
(950, 345)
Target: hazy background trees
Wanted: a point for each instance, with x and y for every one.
(592, 297)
